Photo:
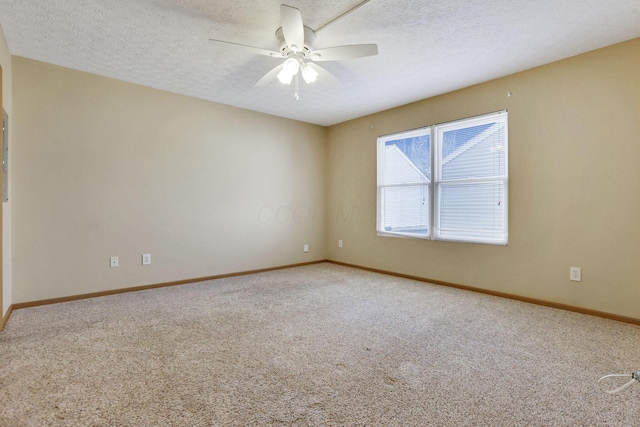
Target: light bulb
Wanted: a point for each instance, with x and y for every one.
(309, 74)
(291, 66)
(284, 77)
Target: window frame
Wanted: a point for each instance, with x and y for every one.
(381, 186)
(436, 183)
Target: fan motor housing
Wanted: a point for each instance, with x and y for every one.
(309, 38)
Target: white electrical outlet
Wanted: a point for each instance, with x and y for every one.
(146, 259)
(339, 243)
(114, 262)
(305, 248)
(575, 274)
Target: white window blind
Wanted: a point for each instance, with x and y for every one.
(464, 199)
(471, 180)
(404, 184)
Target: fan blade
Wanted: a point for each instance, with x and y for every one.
(269, 77)
(292, 27)
(344, 52)
(324, 76)
(257, 50)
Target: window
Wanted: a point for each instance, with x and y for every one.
(404, 183)
(453, 189)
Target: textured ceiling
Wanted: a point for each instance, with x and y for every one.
(426, 47)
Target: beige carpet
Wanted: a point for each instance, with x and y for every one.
(321, 345)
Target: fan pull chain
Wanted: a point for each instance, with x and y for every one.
(635, 376)
(296, 96)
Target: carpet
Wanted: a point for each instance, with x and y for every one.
(319, 345)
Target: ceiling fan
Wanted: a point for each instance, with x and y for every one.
(296, 48)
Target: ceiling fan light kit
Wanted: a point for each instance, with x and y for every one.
(296, 47)
(289, 69)
(309, 74)
(284, 77)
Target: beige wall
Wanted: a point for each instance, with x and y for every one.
(574, 151)
(7, 97)
(105, 168)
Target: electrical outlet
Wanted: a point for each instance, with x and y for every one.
(305, 248)
(146, 259)
(114, 262)
(575, 274)
(339, 243)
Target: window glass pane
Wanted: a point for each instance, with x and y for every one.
(472, 211)
(407, 160)
(406, 209)
(474, 152)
